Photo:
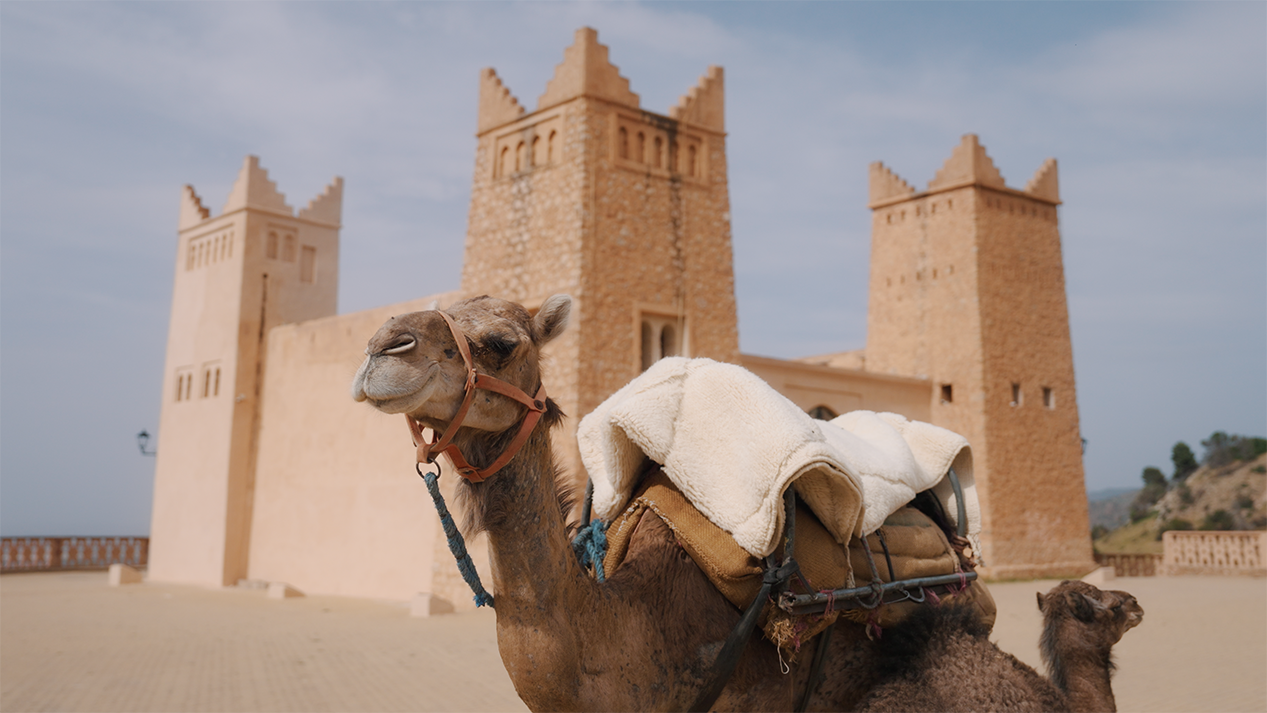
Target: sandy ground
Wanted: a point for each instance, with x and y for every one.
(69, 642)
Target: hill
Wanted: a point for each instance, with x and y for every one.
(1228, 496)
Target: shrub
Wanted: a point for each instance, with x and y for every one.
(1175, 523)
(1185, 495)
(1099, 531)
(1244, 502)
(1219, 520)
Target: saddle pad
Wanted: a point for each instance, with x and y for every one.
(917, 547)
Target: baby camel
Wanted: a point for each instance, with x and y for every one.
(942, 660)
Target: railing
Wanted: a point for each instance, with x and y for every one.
(36, 554)
(1215, 553)
(1130, 565)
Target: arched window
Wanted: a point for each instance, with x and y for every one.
(822, 413)
(674, 149)
(536, 151)
(659, 146)
(216, 389)
(691, 160)
(519, 157)
(191, 252)
(288, 248)
(271, 246)
(180, 386)
(206, 383)
(622, 138)
(550, 147)
(503, 167)
(668, 341)
(642, 147)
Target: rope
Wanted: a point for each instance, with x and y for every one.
(590, 546)
(456, 544)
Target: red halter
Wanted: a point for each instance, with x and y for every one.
(427, 451)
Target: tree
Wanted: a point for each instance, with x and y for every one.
(1184, 459)
(1154, 476)
(1219, 520)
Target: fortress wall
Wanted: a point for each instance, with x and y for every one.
(338, 507)
(842, 390)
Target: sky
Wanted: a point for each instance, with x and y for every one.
(1156, 112)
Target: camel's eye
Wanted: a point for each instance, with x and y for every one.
(401, 345)
(501, 344)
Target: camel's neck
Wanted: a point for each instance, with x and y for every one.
(1083, 672)
(519, 509)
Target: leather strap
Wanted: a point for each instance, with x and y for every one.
(428, 450)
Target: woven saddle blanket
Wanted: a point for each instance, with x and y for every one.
(917, 547)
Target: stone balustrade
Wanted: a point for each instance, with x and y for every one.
(1215, 553)
(31, 554)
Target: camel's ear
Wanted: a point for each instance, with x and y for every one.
(1040, 600)
(552, 318)
(1084, 607)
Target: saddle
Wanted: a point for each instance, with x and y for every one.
(909, 545)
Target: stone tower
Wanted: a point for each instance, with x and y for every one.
(254, 266)
(626, 210)
(968, 291)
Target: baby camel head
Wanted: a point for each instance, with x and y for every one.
(413, 365)
(1100, 616)
(1081, 623)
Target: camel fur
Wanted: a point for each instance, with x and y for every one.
(940, 659)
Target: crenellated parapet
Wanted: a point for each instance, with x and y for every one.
(497, 105)
(254, 189)
(586, 71)
(1045, 184)
(886, 185)
(705, 104)
(328, 207)
(968, 164)
(192, 211)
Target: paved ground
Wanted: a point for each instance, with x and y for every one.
(68, 642)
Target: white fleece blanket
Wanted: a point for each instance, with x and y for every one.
(733, 444)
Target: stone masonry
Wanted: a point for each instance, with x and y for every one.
(968, 291)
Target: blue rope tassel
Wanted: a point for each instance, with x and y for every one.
(456, 544)
(590, 546)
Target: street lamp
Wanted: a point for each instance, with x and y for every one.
(142, 440)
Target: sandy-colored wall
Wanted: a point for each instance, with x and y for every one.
(1038, 507)
(338, 506)
(967, 290)
(189, 521)
(228, 292)
(842, 390)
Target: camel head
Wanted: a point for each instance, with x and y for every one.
(1082, 623)
(1098, 618)
(413, 365)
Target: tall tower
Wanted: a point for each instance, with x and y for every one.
(626, 210)
(254, 266)
(968, 291)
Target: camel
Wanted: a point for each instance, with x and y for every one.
(647, 638)
(941, 659)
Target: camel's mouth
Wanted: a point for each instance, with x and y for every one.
(392, 387)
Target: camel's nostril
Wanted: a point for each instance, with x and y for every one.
(401, 347)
